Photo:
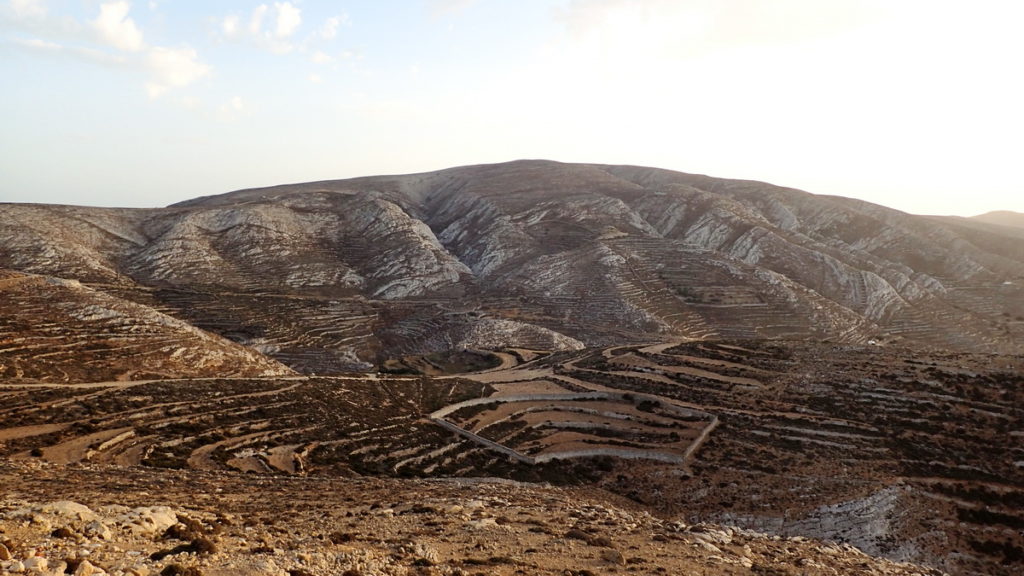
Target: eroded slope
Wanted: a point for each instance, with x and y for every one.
(55, 330)
(534, 251)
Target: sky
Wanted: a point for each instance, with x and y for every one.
(914, 104)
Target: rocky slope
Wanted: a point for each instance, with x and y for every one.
(369, 527)
(56, 330)
(906, 454)
(711, 350)
(339, 275)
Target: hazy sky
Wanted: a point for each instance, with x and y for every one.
(918, 105)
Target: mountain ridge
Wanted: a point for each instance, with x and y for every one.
(586, 253)
(1001, 218)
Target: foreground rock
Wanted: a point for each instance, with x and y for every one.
(188, 522)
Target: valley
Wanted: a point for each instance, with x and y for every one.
(606, 369)
(859, 444)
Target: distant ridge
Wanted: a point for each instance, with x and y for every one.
(345, 275)
(1001, 217)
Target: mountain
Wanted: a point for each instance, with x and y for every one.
(1002, 218)
(341, 275)
(701, 351)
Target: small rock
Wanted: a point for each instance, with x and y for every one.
(482, 524)
(5, 554)
(613, 556)
(85, 568)
(97, 529)
(577, 534)
(16, 567)
(37, 563)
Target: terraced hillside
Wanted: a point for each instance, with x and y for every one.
(714, 350)
(910, 455)
(338, 276)
(56, 330)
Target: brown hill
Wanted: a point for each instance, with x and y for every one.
(55, 330)
(340, 275)
(810, 366)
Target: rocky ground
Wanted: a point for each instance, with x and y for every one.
(86, 519)
(908, 455)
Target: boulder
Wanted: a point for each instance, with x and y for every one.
(36, 564)
(70, 510)
(97, 529)
(85, 568)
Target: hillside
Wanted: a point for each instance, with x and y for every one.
(209, 524)
(1002, 218)
(56, 330)
(907, 455)
(341, 275)
(519, 368)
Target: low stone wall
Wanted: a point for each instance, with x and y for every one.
(438, 416)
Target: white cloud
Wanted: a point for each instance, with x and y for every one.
(289, 17)
(319, 57)
(234, 109)
(190, 103)
(256, 20)
(111, 39)
(173, 68)
(116, 29)
(29, 9)
(272, 35)
(669, 28)
(315, 79)
(38, 44)
(230, 26)
(329, 30)
(443, 7)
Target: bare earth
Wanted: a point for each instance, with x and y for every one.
(227, 523)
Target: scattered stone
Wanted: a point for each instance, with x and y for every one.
(577, 534)
(5, 553)
(97, 529)
(85, 568)
(201, 545)
(482, 524)
(69, 509)
(341, 537)
(179, 570)
(37, 563)
(613, 556)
